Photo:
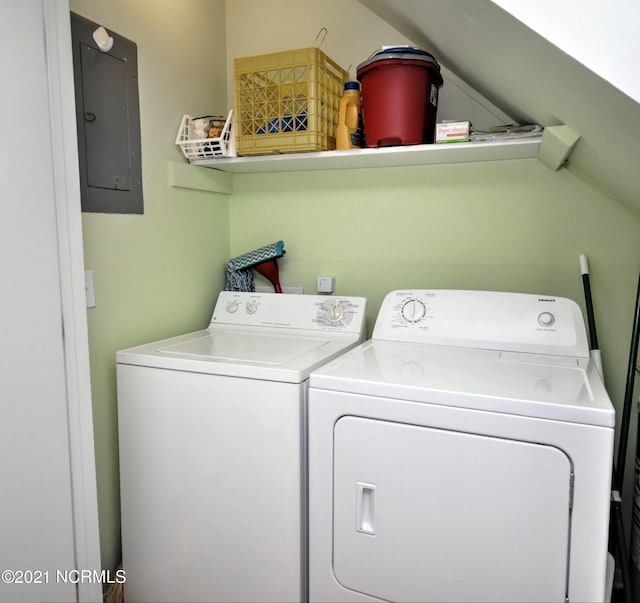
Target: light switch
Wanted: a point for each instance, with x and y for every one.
(88, 288)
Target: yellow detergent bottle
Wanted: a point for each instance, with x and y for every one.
(349, 131)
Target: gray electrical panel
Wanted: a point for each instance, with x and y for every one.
(108, 120)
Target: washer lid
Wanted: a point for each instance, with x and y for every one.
(272, 354)
(261, 336)
(225, 346)
(532, 385)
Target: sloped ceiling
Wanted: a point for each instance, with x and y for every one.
(532, 80)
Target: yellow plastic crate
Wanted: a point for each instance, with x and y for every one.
(287, 102)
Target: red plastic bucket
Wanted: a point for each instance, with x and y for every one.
(399, 97)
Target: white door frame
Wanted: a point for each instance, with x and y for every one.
(57, 28)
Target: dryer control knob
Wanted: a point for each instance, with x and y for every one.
(251, 307)
(546, 319)
(232, 306)
(413, 310)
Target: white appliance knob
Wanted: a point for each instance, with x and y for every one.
(413, 310)
(251, 307)
(546, 319)
(334, 313)
(232, 306)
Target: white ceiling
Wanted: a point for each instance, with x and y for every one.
(532, 80)
(601, 34)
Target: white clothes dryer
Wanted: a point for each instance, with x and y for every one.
(462, 454)
(212, 448)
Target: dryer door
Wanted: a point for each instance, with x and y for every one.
(424, 514)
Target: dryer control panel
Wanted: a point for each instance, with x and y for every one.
(291, 311)
(517, 322)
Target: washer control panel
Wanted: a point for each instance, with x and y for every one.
(484, 319)
(315, 312)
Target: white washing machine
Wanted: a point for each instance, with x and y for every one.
(212, 449)
(462, 454)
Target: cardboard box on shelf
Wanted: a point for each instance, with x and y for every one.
(452, 131)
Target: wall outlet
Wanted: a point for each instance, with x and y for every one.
(326, 284)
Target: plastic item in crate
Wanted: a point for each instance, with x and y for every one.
(287, 102)
(206, 148)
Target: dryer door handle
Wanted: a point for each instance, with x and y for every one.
(365, 505)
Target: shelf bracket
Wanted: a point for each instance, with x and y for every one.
(184, 175)
(556, 146)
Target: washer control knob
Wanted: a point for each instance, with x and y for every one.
(546, 319)
(334, 313)
(232, 306)
(413, 310)
(251, 307)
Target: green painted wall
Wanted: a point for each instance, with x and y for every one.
(158, 274)
(510, 225)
